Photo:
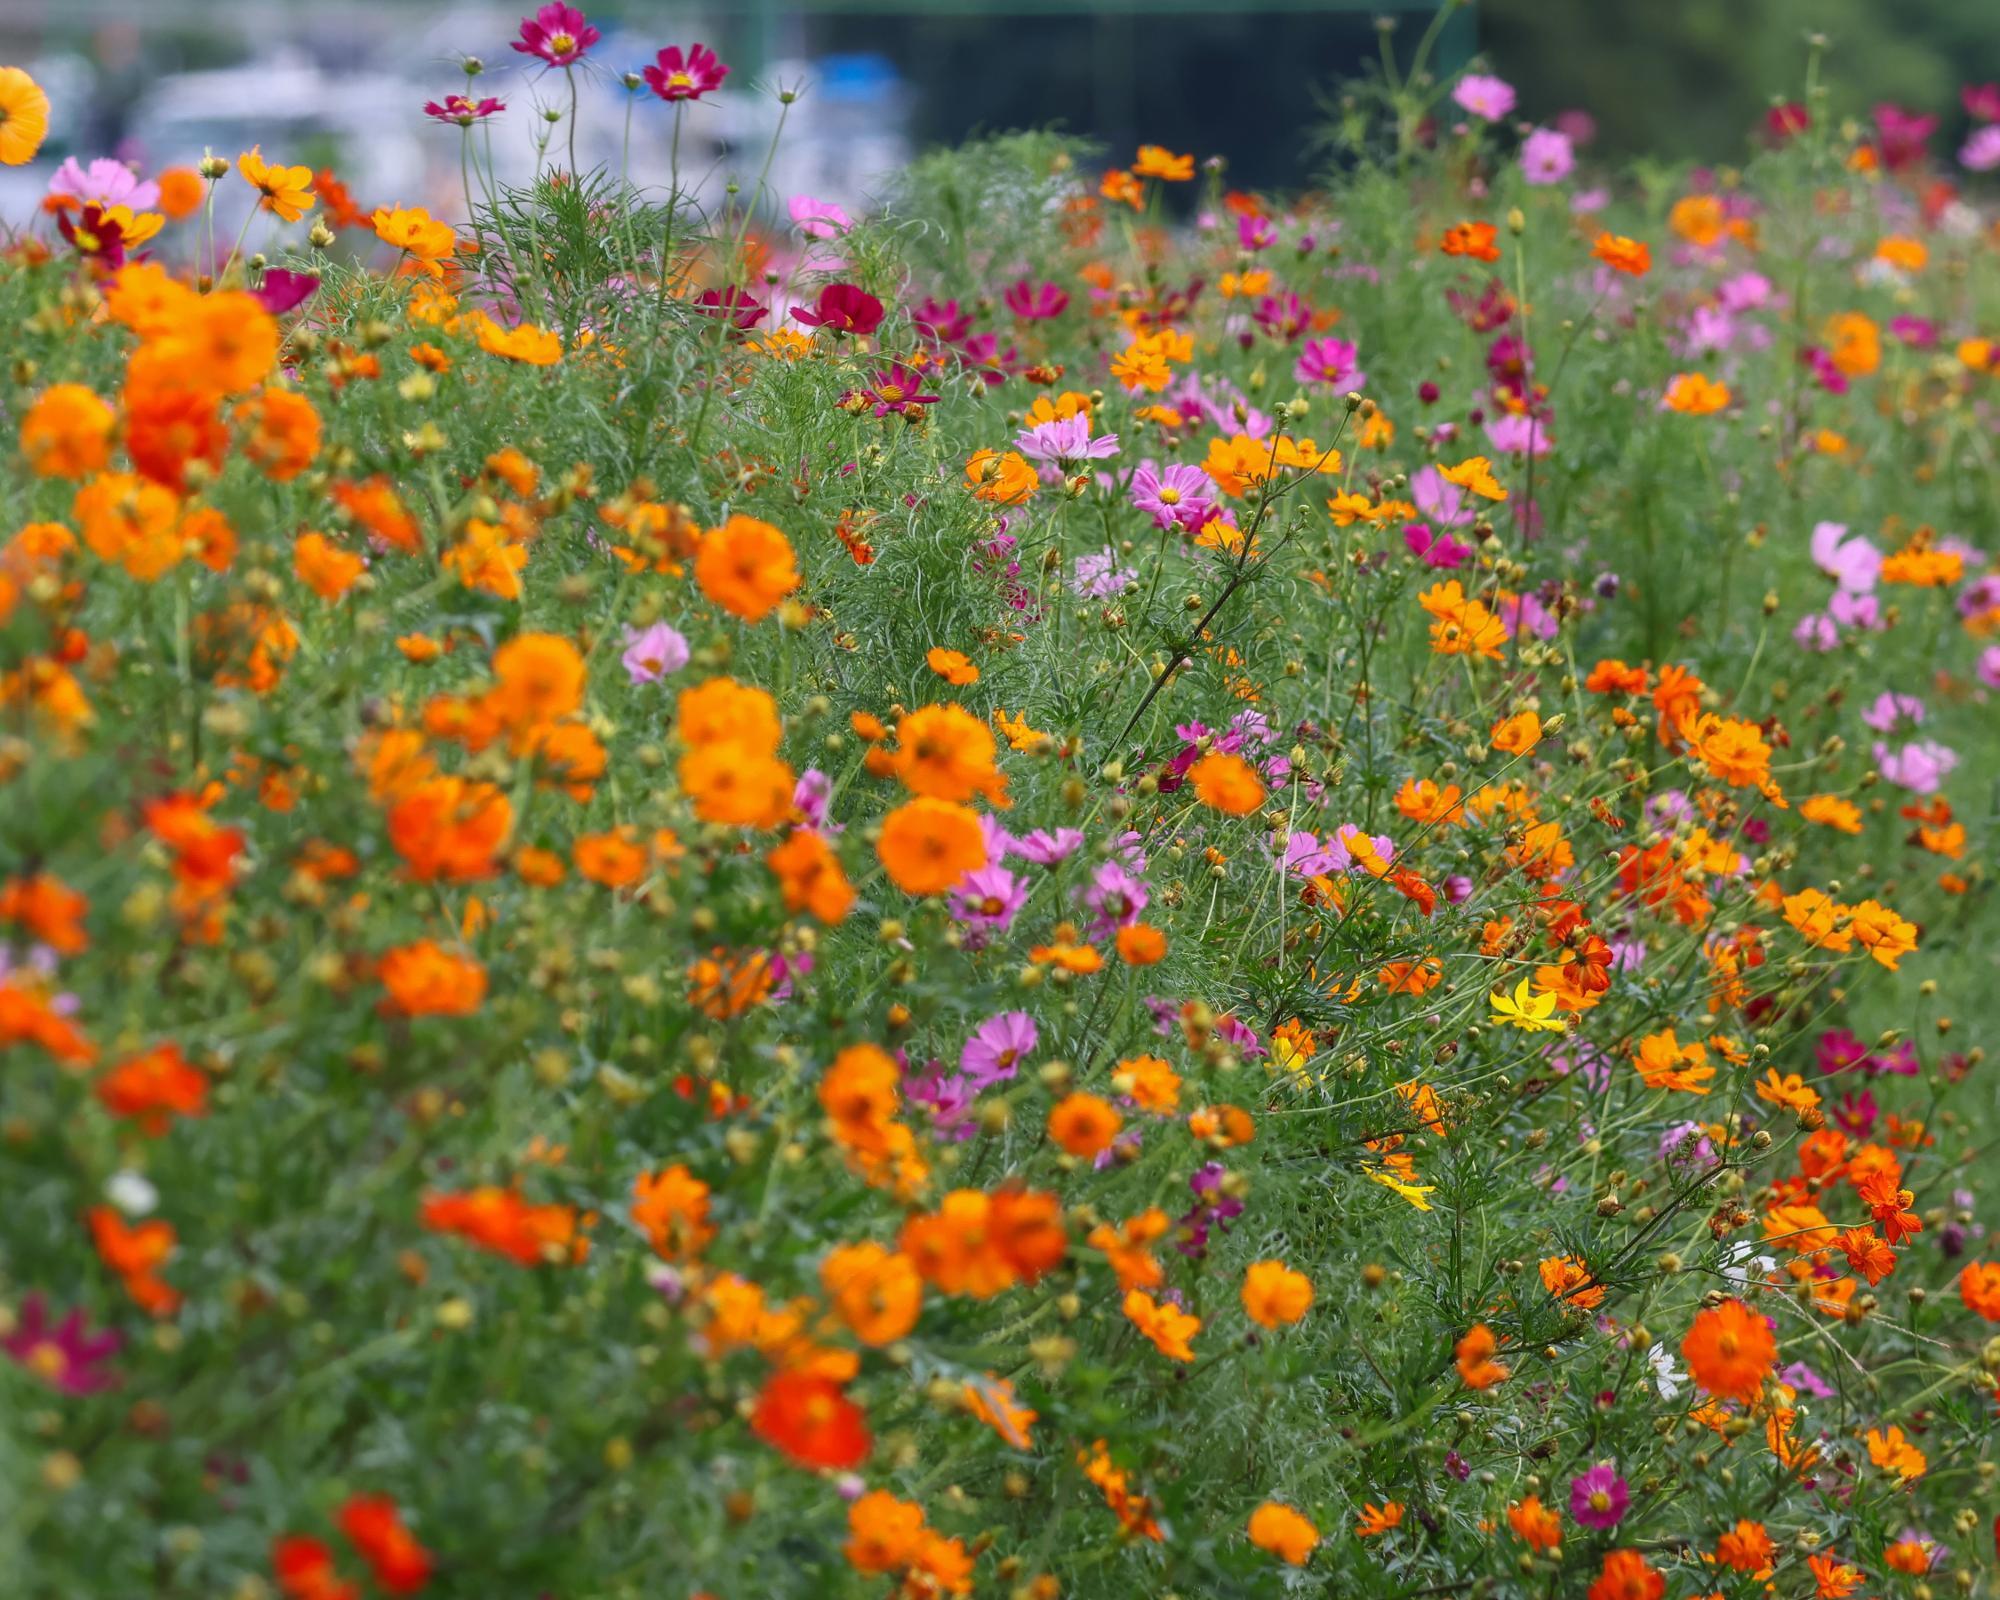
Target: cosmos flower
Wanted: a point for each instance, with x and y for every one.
(674, 76)
(1486, 97)
(558, 34)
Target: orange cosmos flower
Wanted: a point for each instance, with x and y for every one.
(1375, 1520)
(500, 1220)
(523, 343)
(1730, 1351)
(1746, 1548)
(1621, 254)
(955, 668)
(67, 432)
(1274, 1295)
(810, 876)
(284, 433)
(1284, 1533)
(1569, 1280)
(1474, 1357)
(153, 1088)
(1226, 783)
(927, 845)
(426, 980)
(1693, 395)
(810, 1421)
(131, 522)
(24, 117)
(49, 909)
(1534, 1524)
(375, 1528)
(323, 567)
(418, 235)
(746, 567)
(1979, 1288)
(450, 829)
(1626, 1575)
(878, 1293)
(1473, 239)
(947, 753)
(671, 1207)
(1000, 479)
(1834, 1579)
(1164, 1323)
(1518, 734)
(1084, 1124)
(286, 192)
(136, 1253)
(1141, 945)
(1155, 161)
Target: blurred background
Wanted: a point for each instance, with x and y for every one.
(341, 83)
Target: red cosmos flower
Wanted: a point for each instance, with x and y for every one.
(1981, 101)
(305, 1571)
(734, 303)
(676, 77)
(893, 390)
(811, 1421)
(1786, 122)
(457, 108)
(375, 1528)
(559, 34)
(843, 308)
(96, 235)
(1035, 302)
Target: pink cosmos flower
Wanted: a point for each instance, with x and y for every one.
(845, 308)
(1547, 156)
(1178, 495)
(988, 899)
(1435, 549)
(1098, 575)
(1441, 502)
(1598, 1498)
(1981, 101)
(1035, 302)
(457, 108)
(1920, 766)
(1981, 152)
(674, 76)
(1853, 563)
(1116, 896)
(1515, 434)
(281, 291)
(1047, 849)
(104, 182)
(997, 1047)
(68, 1358)
(1988, 669)
(653, 653)
(818, 219)
(1889, 708)
(1064, 442)
(1255, 233)
(1331, 362)
(1484, 96)
(558, 34)
(813, 795)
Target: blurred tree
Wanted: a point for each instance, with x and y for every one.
(1692, 78)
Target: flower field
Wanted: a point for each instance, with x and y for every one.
(1091, 886)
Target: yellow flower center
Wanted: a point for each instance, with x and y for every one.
(1170, 497)
(561, 43)
(46, 1360)
(1599, 1500)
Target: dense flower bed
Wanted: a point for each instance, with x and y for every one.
(1093, 887)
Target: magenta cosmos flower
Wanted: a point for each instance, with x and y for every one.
(892, 392)
(844, 308)
(461, 110)
(736, 304)
(1599, 1497)
(674, 76)
(1331, 362)
(987, 899)
(1035, 302)
(994, 1052)
(69, 1358)
(559, 34)
(1485, 97)
(1176, 495)
(652, 653)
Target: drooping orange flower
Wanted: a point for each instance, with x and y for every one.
(953, 666)
(1375, 1520)
(523, 343)
(1730, 1351)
